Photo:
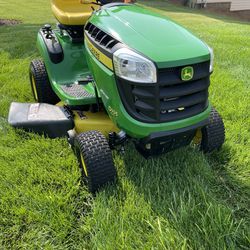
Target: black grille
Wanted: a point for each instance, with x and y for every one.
(100, 37)
(169, 99)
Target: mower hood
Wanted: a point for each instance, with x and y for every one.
(151, 34)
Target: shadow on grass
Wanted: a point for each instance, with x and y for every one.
(195, 193)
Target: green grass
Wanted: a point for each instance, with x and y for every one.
(182, 200)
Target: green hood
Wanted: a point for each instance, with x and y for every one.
(153, 35)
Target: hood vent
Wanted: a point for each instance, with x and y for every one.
(100, 37)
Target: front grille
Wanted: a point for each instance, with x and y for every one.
(169, 99)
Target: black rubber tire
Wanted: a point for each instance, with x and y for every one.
(97, 156)
(213, 135)
(44, 91)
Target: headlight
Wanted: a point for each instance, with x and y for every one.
(211, 68)
(134, 67)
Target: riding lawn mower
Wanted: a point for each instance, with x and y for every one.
(114, 72)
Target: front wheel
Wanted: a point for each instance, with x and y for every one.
(95, 160)
(212, 136)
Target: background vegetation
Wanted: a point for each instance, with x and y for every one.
(182, 200)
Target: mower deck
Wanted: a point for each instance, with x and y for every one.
(55, 121)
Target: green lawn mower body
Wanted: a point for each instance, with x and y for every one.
(133, 72)
(169, 46)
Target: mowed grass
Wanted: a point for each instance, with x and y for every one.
(182, 200)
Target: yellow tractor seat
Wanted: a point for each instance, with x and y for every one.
(72, 12)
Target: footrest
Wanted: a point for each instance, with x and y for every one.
(76, 91)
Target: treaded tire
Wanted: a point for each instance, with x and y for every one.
(40, 85)
(95, 159)
(213, 135)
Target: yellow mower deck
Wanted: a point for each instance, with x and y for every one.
(87, 121)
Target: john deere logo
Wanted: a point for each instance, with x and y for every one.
(187, 73)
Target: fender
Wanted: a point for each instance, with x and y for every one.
(52, 43)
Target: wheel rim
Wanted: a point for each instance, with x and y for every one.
(33, 82)
(198, 137)
(84, 166)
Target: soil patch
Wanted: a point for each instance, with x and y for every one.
(9, 22)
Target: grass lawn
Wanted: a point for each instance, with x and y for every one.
(182, 200)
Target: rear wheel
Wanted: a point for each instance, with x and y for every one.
(212, 136)
(40, 85)
(95, 160)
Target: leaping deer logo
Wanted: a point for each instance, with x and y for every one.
(187, 73)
